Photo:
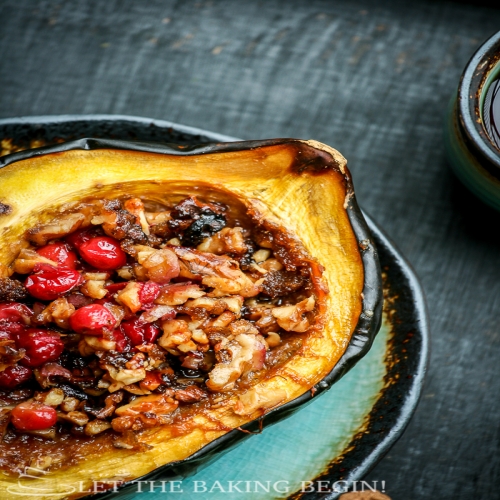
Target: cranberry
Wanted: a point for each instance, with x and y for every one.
(13, 376)
(81, 236)
(78, 299)
(40, 346)
(103, 252)
(148, 293)
(140, 333)
(32, 416)
(115, 287)
(122, 342)
(49, 283)
(90, 320)
(60, 253)
(15, 312)
(8, 334)
(13, 318)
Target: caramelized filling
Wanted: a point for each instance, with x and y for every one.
(119, 316)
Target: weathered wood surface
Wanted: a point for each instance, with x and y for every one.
(372, 79)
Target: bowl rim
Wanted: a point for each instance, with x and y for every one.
(472, 81)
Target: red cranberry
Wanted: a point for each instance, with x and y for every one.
(13, 318)
(32, 416)
(148, 293)
(81, 236)
(103, 252)
(60, 253)
(122, 342)
(40, 346)
(9, 335)
(15, 312)
(115, 287)
(78, 299)
(13, 376)
(140, 333)
(49, 283)
(90, 320)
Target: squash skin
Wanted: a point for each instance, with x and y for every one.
(275, 175)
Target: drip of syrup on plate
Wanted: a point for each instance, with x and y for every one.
(491, 113)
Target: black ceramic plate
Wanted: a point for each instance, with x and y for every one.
(339, 437)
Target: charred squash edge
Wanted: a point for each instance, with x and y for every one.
(317, 158)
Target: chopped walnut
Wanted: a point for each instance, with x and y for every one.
(190, 394)
(219, 272)
(273, 339)
(222, 320)
(98, 344)
(243, 326)
(8, 355)
(96, 427)
(129, 296)
(227, 240)
(179, 293)
(94, 289)
(75, 417)
(59, 311)
(57, 228)
(271, 265)
(217, 306)
(28, 259)
(124, 376)
(176, 332)
(293, 318)
(70, 404)
(156, 404)
(126, 272)
(155, 218)
(247, 353)
(156, 313)
(261, 255)
(117, 222)
(136, 207)
(52, 398)
(161, 265)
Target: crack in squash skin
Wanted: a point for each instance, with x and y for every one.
(290, 187)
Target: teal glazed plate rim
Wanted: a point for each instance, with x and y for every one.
(328, 446)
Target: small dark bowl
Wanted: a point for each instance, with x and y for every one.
(470, 151)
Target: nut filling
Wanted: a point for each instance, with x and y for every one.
(122, 315)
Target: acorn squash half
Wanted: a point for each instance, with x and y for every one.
(299, 191)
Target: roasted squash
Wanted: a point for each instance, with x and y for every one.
(300, 192)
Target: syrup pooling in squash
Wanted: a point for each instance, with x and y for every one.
(116, 318)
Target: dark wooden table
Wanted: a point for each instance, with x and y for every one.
(372, 79)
